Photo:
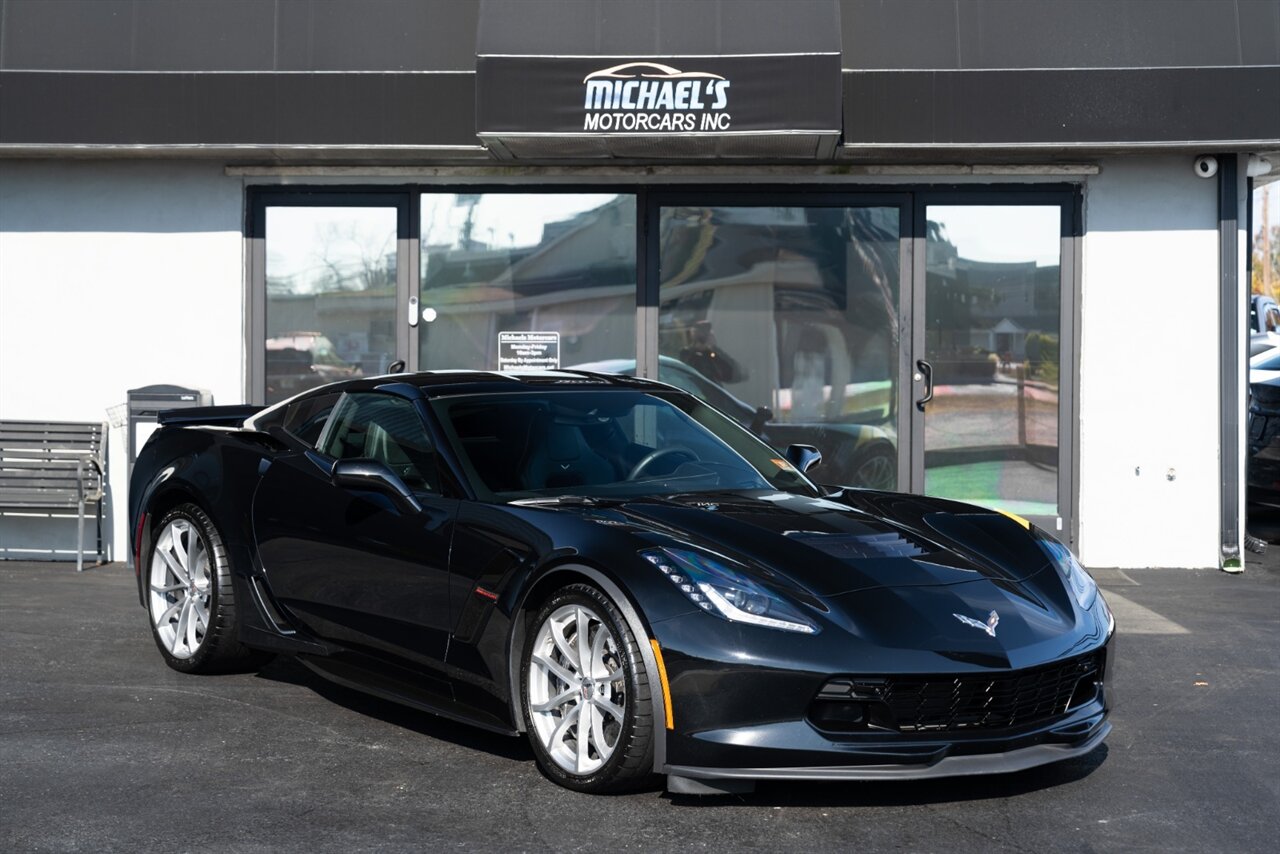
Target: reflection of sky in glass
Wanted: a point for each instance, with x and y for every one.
(501, 220)
(1006, 233)
(306, 246)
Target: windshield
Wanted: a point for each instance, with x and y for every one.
(619, 443)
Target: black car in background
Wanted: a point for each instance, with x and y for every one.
(620, 572)
(1263, 467)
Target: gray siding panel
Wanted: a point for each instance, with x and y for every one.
(994, 34)
(377, 35)
(238, 35)
(73, 35)
(657, 27)
(408, 35)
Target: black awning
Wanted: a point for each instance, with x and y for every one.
(657, 79)
(362, 111)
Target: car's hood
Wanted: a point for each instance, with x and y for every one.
(986, 623)
(856, 541)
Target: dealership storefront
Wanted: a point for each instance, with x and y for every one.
(998, 280)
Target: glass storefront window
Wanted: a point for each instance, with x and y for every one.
(787, 319)
(784, 309)
(993, 338)
(561, 264)
(330, 292)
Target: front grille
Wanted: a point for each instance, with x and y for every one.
(972, 701)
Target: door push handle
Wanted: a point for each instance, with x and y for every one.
(926, 373)
(413, 311)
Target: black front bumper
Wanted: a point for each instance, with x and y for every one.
(741, 722)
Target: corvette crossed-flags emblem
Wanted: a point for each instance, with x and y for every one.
(989, 626)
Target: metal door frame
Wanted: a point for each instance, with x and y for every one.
(1069, 201)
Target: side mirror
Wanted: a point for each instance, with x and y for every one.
(762, 417)
(803, 457)
(373, 476)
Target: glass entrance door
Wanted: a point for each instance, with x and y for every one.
(990, 350)
(524, 281)
(335, 269)
(785, 314)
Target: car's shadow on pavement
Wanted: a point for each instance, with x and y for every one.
(892, 793)
(768, 793)
(286, 669)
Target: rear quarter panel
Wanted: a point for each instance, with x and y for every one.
(215, 468)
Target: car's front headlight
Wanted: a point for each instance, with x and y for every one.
(1082, 585)
(716, 587)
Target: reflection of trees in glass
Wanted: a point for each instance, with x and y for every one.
(496, 262)
(1042, 356)
(983, 314)
(1265, 262)
(344, 255)
(331, 275)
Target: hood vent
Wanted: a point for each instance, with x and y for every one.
(859, 546)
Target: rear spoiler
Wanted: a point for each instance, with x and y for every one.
(223, 416)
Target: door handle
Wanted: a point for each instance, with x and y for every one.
(926, 371)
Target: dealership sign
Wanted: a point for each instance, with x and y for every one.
(650, 96)
(524, 97)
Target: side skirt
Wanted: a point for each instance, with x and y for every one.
(360, 679)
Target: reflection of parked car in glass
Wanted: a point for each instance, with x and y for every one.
(302, 360)
(1264, 366)
(853, 454)
(1263, 475)
(1264, 324)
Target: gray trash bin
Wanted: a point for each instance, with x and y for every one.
(145, 405)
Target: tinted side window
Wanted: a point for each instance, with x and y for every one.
(385, 428)
(305, 419)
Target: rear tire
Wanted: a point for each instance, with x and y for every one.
(591, 727)
(190, 597)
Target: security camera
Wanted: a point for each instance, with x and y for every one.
(1206, 166)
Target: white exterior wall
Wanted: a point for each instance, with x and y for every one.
(115, 275)
(1149, 366)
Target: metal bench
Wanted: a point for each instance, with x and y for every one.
(47, 466)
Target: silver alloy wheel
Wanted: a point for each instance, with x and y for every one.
(180, 588)
(577, 691)
(880, 471)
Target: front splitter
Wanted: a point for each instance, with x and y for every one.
(950, 766)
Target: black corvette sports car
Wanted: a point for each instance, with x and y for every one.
(623, 573)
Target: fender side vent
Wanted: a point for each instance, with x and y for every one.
(278, 621)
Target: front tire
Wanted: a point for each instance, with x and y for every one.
(585, 694)
(190, 598)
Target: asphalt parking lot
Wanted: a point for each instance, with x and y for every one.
(103, 748)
